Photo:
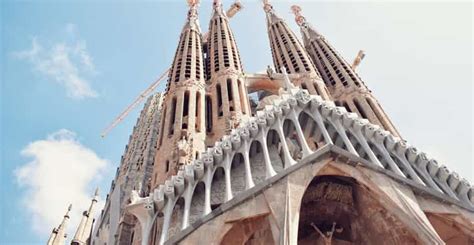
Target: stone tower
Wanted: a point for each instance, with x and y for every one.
(298, 170)
(84, 230)
(58, 235)
(227, 101)
(287, 52)
(114, 225)
(345, 85)
(183, 132)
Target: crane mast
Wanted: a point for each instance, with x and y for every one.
(137, 101)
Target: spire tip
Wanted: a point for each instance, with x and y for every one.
(267, 6)
(298, 16)
(192, 3)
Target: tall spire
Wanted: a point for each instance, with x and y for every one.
(182, 118)
(84, 229)
(58, 235)
(227, 101)
(288, 52)
(345, 86)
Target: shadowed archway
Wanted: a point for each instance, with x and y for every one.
(338, 210)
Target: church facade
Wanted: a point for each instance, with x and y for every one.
(311, 159)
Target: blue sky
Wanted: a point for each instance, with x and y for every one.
(68, 68)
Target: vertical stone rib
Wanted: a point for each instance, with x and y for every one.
(343, 82)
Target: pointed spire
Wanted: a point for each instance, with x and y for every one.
(192, 18)
(272, 17)
(218, 9)
(347, 87)
(186, 86)
(96, 194)
(307, 30)
(58, 235)
(84, 229)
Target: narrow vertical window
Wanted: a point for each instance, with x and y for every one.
(208, 114)
(219, 100)
(347, 107)
(172, 117)
(243, 101)
(185, 118)
(230, 95)
(162, 131)
(229, 89)
(167, 166)
(198, 112)
(360, 109)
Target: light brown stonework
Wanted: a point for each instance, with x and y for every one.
(206, 166)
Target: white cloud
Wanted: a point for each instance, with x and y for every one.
(66, 63)
(61, 171)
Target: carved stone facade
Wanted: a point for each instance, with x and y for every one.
(182, 132)
(134, 173)
(304, 166)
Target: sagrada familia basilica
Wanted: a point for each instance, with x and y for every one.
(303, 154)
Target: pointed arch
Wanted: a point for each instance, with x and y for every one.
(257, 162)
(339, 204)
(275, 149)
(312, 133)
(292, 140)
(334, 135)
(176, 221)
(197, 202)
(358, 146)
(237, 174)
(218, 188)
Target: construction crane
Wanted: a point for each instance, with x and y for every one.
(234, 9)
(136, 102)
(360, 56)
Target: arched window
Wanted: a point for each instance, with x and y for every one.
(198, 112)
(185, 118)
(219, 100)
(162, 131)
(172, 117)
(208, 114)
(229, 94)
